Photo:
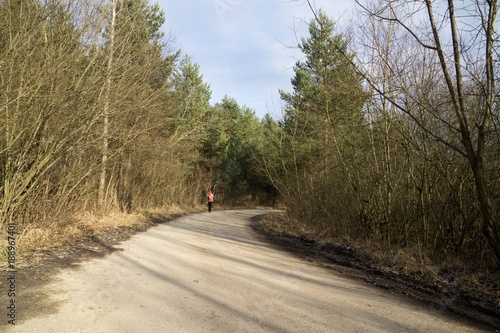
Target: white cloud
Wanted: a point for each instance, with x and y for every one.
(239, 44)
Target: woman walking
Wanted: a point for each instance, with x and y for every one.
(210, 200)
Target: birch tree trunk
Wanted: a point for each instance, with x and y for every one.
(106, 107)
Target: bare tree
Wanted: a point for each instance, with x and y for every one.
(43, 99)
(459, 41)
(106, 103)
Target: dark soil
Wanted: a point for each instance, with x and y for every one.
(477, 307)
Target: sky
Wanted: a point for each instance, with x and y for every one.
(246, 49)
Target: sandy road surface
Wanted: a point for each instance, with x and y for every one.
(212, 273)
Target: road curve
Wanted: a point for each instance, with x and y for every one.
(212, 273)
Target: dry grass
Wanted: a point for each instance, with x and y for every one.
(64, 232)
(82, 226)
(452, 277)
(282, 224)
(414, 260)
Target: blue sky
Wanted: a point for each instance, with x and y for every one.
(245, 47)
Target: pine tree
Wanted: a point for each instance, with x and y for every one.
(323, 123)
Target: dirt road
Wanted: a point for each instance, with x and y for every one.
(213, 273)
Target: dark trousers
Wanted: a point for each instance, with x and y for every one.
(210, 206)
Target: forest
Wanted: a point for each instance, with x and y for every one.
(390, 135)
